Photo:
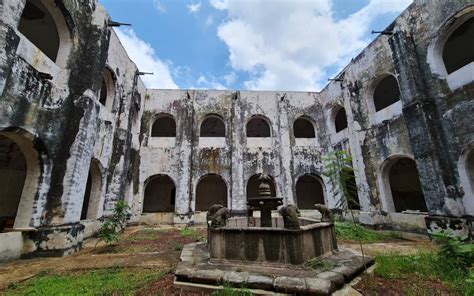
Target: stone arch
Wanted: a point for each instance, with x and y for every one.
(159, 195)
(92, 196)
(258, 127)
(401, 185)
(252, 186)
(303, 128)
(164, 126)
(466, 175)
(22, 169)
(107, 88)
(211, 189)
(212, 126)
(386, 92)
(310, 190)
(43, 23)
(340, 119)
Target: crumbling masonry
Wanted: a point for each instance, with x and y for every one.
(79, 130)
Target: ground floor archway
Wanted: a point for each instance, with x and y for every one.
(309, 191)
(404, 184)
(20, 172)
(160, 194)
(210, 190)
(91, 202)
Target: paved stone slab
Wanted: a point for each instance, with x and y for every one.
(289, 284)
(319, 286)
(260, 282)
(335, 278)
(238, 279)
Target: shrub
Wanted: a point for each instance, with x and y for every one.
(113, 225)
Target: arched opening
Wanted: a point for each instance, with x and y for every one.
(386, 93)
(213, 126)
(458, 50)
(107, 89)
(309, 191)
(20, 172)
(258, 127)
(252, 186)
(405, 185)
(303, 128)
(340, 120)
(164, 126)
(160, 195)
(38, 26)
(470, 169)
(91, 202)
(210, 190)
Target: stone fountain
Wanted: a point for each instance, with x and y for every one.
(267, 253)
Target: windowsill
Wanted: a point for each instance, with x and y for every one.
(387, 113)
(161, 142)
(461, 77)
(339, 136)
(306, 142)
(264, 142)
(212, 142)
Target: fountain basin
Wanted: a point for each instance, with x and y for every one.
(242, 239)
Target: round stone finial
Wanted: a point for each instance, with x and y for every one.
(264, 188)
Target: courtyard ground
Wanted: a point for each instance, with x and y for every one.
(144, 259)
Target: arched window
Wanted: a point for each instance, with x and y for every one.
(470, 169)
(458, 50)
(252, 186)
(107, 89)
(160, 194)
(43, 25)
(303, 128)
(309, 191)
(258, 127)
(340, 120)
(90, 205)
(386, 93)
(164, 126)
(210, 190)
(213, 126)
(405, 185)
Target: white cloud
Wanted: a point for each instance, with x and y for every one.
(146, 60)
(159, 6)
(230, 78)
(209, 21)
(290, 44)
(194, 7)
(208, 83)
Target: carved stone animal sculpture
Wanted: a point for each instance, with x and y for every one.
(326, 213)
(290, 215)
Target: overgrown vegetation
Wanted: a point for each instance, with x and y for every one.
(453, 264)
(113, 225)
(229, 290)
(112, 281)
(193, 233)
(356, 232)
(319, 264)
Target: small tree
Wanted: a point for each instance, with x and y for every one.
(338, 169)
(114, 224)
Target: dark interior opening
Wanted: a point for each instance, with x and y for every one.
(340, 120)
(39, 27)
(386, 93)
(212, 127)
(309, 191)
(164, 126)
(303, 128)
(258, 128)
(103, 93)
(459, 48)
(210, 190)
(160, 195)
(87, 197)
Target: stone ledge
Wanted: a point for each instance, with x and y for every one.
(195, 270)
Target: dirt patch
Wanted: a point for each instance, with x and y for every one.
(401, 247)
(376, 285)
(164, 286)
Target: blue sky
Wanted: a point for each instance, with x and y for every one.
(247, 44)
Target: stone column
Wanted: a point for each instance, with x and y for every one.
(286, 153)
(237, 133)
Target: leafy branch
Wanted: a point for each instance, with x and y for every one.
(114, 224)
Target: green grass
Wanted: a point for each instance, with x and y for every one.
(349, 231)
(193, 233)
(178, 246)
(229, 290)
(98, 282)
(319, 264)
(425, 265)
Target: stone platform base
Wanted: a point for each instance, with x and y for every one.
(195, 272)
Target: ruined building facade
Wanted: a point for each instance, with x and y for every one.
(79, 131)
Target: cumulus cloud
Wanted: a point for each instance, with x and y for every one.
(146, 60)
(208, 83)
(291, 44)
(194, 7)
